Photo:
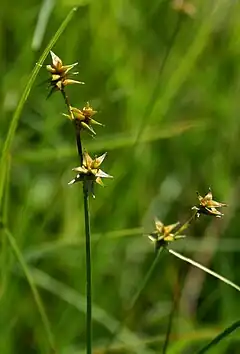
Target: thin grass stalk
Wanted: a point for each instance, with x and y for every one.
(220, 337)
(36, 296)
(134, 299)
(186, 224)
(205, 269)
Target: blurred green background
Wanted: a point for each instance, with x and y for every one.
(167, 135)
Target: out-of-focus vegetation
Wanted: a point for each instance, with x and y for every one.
(187, 141)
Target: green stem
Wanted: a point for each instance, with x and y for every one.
(87, 235)
(186, 224)
(88, 249)
(77, 130)
(135, 299)
(207, 270)
(145, 280)
(88, 268)
(33, 287)
(220, 337)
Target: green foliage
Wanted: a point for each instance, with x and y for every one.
(189, 141)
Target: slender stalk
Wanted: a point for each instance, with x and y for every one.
(88, 268)
(186, 224)
(87, 236)
(145, 280)
(209, 271)
(134, 299)
(78, 136)
(79, 146)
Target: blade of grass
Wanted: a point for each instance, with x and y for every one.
(45, 248)
(220, 337)
(114, 141)
(205, 269)
(33, 287)
(14, 122)
(43, 19)
(194, 337)
(4, 250)
(75, 299)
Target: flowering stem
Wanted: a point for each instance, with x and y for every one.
(145, 280)
(87, 236)
(88, 268)
(79, 146)
(67, 102)
(186, 224)
(88, 250)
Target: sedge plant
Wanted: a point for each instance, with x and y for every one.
(89, 172)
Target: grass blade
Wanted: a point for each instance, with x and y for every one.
(25, 94)
(205, 269)
(77, 300)
(114, 141)
(33, 287)
(4, 221)
(220, 337)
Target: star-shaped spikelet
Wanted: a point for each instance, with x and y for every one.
(83, 118)
(162, 234)
(90, 172)
(208, 206)
(60, 74)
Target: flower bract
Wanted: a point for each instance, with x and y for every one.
(90, 172)
(83, 118)
(208, 206)
(60, 74)
(162, 234)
